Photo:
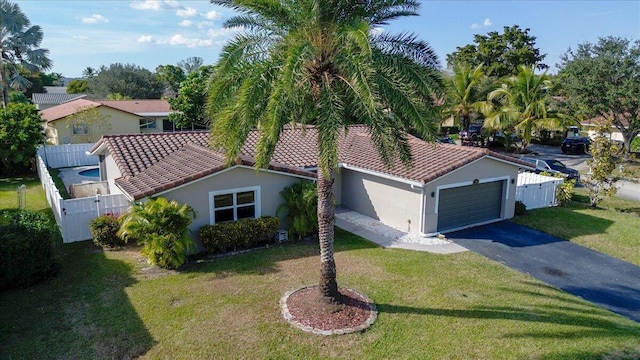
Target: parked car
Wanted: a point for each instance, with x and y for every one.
(576, 145)
(553, 166)
(445, 139)
(473, 135)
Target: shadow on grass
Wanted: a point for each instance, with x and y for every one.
(83, 313)
(565, 222)
(265, 260)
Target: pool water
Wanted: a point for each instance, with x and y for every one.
(90, 173)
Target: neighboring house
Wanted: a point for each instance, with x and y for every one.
(47, 100)
(63, 124)
(614, 133)
(447, 187)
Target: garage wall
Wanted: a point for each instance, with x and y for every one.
(483, 169)
(392, 202)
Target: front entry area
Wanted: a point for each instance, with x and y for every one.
(469, 205)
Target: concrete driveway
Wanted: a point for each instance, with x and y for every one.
(601, 279)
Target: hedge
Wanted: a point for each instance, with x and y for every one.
(239, 235)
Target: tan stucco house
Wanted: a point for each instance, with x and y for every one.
(117, 117)
(448, 187)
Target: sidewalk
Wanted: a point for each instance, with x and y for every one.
(392, 242)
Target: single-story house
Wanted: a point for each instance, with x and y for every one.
(118, 117)
(47, 100)
(448, 186)
(614, 132)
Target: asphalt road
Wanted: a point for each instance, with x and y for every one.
(626, 189)
(598, 278)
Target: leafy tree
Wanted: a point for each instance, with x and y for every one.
(319, 62)
(20, 135)
(500, 53)
(190, 103)
(126, 79)
(51, 79)
(522, 105)
(161, 227)
(603, 79)
(191, 64)
(95, 123)
(171, 76)
(18, 97)
(19, 48)
(89, 72)
(77, 86)
(605, 158)
(118, 96)
(464, 94)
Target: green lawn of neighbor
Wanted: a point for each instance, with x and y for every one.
(35, 193)
(460, 306)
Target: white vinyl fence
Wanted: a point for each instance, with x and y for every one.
(73, 215)
(59, 156)
(537, 191)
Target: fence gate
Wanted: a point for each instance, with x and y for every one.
(77, 213)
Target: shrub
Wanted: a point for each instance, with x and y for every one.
(161, 227)
(521, 208)
(28, 248)
(564, 191)
(300, 208)
(104, 231)
(238, 235)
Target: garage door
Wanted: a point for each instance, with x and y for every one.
(468, 205)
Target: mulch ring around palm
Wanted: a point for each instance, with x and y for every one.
(305, 309)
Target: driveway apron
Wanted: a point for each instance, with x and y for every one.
(598, 278)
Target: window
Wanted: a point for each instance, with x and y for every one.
(79, 129)
(147, 123)
(235, 204)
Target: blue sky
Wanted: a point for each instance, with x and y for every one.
(151, 33)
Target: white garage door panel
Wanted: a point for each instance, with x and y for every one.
(468, 205)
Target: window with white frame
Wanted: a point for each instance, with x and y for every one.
(147, 123)
(79, 129)
(234, 204)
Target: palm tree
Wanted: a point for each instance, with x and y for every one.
(463, 94)
(19, 48)
(523, 106)
(322, 63)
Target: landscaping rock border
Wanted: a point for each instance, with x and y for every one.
(373, 314)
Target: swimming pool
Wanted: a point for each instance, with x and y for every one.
(90, 173)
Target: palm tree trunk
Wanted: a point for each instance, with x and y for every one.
(326, 215)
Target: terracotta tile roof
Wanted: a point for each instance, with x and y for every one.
(155, 162)
(138, 107)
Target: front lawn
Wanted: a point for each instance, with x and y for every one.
(612, 228)
(461, 306)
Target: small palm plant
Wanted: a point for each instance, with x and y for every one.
(160, 226)
(300, 208)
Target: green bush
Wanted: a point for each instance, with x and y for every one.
(104, 231)
(564, 191)
(238, 235)
(161, 227)
(300, 208)
(28, 248)
(521, 208)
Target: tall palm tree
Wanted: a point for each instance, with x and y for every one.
(19, 48)
(322, 63)
(523, 105)
(464, 93)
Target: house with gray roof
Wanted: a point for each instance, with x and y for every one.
(447, 187)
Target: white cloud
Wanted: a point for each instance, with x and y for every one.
(486, 23)
(180, 39)
(186, 23)
(145, 39)
(204, 24)
(154, 5)
(187, 12)
(172, 3)
(80, 37)
(94, 19)
(213, 15)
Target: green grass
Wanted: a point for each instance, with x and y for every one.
(461, 306)
(35, 193)
(55, 176)
(612, 228)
